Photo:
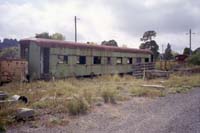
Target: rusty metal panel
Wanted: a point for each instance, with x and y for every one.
(13, 70)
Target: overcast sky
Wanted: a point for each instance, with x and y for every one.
(122, 20)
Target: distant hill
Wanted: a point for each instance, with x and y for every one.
(8, 43)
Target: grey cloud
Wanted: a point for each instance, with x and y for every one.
(134, 17)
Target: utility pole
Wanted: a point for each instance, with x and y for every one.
(190, 40)
(162, 53)
(75, 19)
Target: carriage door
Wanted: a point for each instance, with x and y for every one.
(45, 60)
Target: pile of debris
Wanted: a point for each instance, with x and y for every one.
(22, 114)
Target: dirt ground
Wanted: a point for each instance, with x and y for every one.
(175, 113)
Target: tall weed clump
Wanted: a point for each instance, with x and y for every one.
(77, 105)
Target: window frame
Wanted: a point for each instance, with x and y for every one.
(108, 61)
(121, 60)
(63, 59)
(81, 60)
(129, 60)
(97, 60)
(145, 60)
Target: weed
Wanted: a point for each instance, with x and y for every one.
(109, 95)
(146, 92)
(77, 105)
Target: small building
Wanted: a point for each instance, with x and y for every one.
(13, 70)
(63, 59)
(181, 58)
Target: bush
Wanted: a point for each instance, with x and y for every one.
(109, 95)
(194, 59)
(77, 105)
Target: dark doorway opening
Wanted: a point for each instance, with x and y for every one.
(46, 60)
(152, 58)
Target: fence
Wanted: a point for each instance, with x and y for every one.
(140, 68)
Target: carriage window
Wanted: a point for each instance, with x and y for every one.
(97, 60)
(108, 60)
(81, 60)
(62, 59)
(119, 60)
(146, 60)
(138, 60)
(129, 60)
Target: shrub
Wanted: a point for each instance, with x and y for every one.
(109, 95)
(77, 105)
(194, 59)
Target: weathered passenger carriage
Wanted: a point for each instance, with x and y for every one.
(63, 59)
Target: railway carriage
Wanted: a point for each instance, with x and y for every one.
(64, 59)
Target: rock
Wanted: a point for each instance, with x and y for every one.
(24, 114)
(99, 104)
(160, 87)
(3, 95)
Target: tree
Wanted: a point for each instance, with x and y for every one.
(110, 43)
(194, 59)
(196, 50)
(57, 36)
(186, 51)
(168, 52)
(150, 44)
(147, 36)
(44, 35)
(11, 52)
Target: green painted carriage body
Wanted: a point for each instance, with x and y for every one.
(35, 58)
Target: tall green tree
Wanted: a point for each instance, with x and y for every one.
(186, 51)
(110, 43)
(57, 36)
(150, 44)
(148, 35)
(168, 53)
(46, 35)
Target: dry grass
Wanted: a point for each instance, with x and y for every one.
(77, 96)
(145, 92)
(178, 84)
(165, 65)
